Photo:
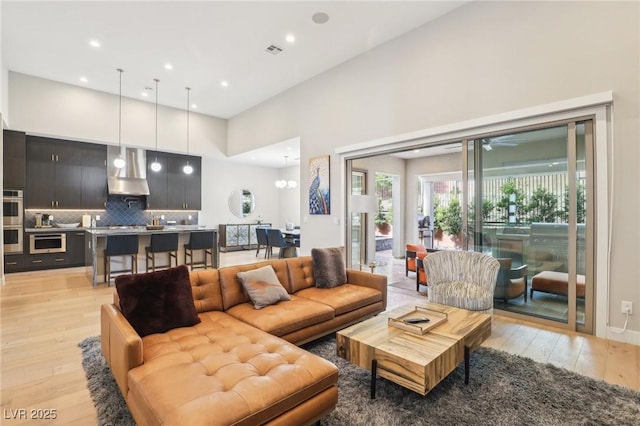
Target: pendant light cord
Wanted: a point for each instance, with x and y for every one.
(157, 81)
(188, 100)
(120, 110)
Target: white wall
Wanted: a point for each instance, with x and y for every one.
(481, 59)
(40, 106)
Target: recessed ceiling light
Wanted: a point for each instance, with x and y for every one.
(94, 43)
(144, 94)
(84, 79)
(224, 83)
(194, 106)
(290, 38)
(253, 158)
(320, 18)
(416, 150)
(168, 66)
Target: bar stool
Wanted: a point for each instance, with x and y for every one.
(162, 243)
(120, 245)
(199, 241)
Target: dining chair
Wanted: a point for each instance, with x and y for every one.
(275, 239)
(261, 236)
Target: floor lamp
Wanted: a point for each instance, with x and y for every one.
(363, 205)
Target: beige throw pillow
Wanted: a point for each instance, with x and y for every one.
(263, 287)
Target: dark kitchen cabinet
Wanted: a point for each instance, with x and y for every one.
(171, 188)
(94, 176)
(65, 175)
(14, 263)
(36, 262)
(14, 157)
(183, 189)
(54, 174)
(76, 248)
(158, 181)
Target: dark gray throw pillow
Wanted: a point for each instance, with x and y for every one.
(328, 267)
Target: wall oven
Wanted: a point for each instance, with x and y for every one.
(12, 239)
(12, 212)
(12, 215)
(47, 243)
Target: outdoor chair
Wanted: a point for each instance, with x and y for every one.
(410, 257)
(421, 274)
(511, 282)
(462, 279)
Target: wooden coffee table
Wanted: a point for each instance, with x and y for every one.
(417, 362)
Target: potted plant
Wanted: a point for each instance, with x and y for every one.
(382, 223)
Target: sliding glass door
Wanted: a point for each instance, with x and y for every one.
(524, 197)
(527, 206)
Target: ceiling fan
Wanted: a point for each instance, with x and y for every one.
(506, 140)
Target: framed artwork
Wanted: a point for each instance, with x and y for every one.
(319, 186)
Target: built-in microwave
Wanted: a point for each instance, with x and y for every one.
(12, 239)
(12, 213)
(47, 243)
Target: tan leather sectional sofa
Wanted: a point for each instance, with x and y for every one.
(240, 365)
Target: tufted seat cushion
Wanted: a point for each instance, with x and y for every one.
(223, 371)
(285, 317)
(462, 294)
(343, 299)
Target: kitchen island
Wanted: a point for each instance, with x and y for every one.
(97, 238)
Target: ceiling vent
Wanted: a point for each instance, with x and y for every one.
(273, 49)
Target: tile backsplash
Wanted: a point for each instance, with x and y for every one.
(121, 210)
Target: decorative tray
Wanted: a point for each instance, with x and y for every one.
(435, 318)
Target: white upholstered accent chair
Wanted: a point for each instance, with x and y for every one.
(462, 279)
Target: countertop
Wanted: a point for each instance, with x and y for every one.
(115, 230)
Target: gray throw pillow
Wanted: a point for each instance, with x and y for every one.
(263, 287)
(328, 267)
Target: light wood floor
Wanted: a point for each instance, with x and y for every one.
(44, 315)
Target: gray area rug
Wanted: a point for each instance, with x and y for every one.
(503, 389)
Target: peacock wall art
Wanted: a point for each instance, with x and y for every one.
(319, 187)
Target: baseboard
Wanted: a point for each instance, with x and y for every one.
(629, 336)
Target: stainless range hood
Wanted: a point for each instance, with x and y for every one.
(130, 179)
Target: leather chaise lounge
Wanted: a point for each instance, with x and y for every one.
(239, 365)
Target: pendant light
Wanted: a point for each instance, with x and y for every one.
(119, 161)
(156, 166)
(187, 167)
(282, 183)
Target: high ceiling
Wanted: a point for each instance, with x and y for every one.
(206, 42)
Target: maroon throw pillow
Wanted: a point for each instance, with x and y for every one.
(157, 302)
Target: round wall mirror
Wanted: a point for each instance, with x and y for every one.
(241, 202)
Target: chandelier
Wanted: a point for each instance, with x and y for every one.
(283, 183)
